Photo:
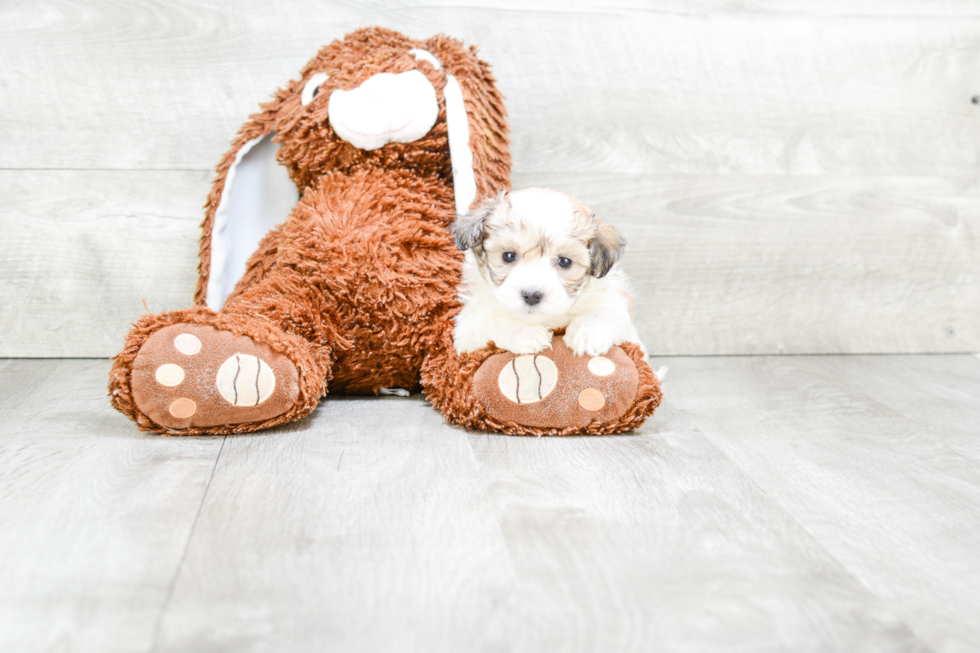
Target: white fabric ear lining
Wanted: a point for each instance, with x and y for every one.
(258, 195)
(464, 179)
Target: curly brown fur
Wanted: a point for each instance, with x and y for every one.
(365, 262)
(310, 147)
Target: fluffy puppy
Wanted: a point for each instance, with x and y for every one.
(538, 260)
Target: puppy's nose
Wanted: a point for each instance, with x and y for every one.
(532, 297)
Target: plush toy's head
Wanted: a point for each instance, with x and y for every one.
(379, 98)
(375, 98)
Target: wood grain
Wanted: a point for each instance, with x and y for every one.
(720, 265)
(94, 518)
(793, 177)
(705, 88)
(933, 389)
(658, 541)
(891, 488)
(343, 533)
(82, 250)
(772, 503)
(774, 265)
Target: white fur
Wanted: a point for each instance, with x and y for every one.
(595, 320)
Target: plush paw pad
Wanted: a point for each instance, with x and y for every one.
(244, 380)
(189, 375)
(557, 389)
(528, 379)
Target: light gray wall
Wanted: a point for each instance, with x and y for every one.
(792, 177)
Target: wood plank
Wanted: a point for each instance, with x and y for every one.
(869, 263)
(888, 493)
(94, 518)
(754, 88)
(929, 390)
(658, 541)
(772, 503)
(721, 265)
(82, 250)
(363, 528)
(775, 265)
(344, 532)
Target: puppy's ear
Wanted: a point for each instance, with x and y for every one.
(605, 249)
(468, 230)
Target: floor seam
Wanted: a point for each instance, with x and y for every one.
(183, 556)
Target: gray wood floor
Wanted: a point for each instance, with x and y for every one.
(772, 504)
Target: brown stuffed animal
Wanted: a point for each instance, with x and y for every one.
(363, 163)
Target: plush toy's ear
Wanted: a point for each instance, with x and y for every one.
(605, 249)
(251, 194)
(476, 121)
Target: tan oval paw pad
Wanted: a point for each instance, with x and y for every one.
(183, 408)
(601, 366)
(170, 375)
(591, 399)
(187, 344)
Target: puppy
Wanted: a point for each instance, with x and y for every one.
(538, 260)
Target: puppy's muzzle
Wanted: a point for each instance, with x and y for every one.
(532, 297)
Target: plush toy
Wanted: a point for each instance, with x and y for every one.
(326, 263)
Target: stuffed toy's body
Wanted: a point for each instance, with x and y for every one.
(327, 263)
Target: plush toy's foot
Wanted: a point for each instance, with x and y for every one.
(196, 372)
(189, 375)
(556, 392)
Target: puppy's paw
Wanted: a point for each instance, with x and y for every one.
(524, 339)
(592, 338)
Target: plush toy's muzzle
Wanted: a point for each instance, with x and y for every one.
(385, 109)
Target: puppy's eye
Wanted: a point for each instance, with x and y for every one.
(509, 257)
(564, 262)
(312, 88)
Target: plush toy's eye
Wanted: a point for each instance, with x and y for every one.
(312, 88)
(564, 262)
(509, 257)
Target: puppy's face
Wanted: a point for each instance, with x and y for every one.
(537, 249)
